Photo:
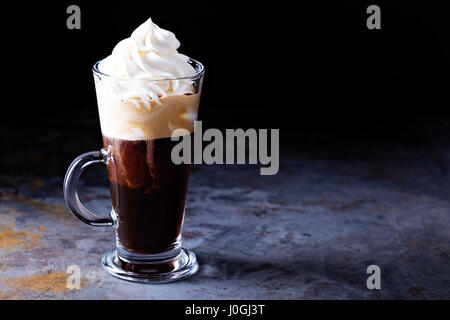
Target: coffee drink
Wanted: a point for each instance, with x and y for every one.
(148, 194)
(148, 190)
(147, 93)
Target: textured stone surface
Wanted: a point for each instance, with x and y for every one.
(307, 233)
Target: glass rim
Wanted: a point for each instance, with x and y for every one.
(198, 73)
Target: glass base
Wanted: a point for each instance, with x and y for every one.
(151, 268)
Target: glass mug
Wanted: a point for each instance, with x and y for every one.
(148, 191)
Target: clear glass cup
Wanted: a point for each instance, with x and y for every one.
(148, 190)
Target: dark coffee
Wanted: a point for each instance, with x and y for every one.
(148, 193)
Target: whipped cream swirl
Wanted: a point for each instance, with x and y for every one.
(148, 59)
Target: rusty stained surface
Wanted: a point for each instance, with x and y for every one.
(307, 233)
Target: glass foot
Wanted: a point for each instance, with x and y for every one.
(151, 270)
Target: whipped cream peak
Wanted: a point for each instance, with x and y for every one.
(150, 58)
(149, 36)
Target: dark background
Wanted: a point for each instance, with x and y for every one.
(313, 70)
(364, 128)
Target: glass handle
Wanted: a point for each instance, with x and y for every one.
(70, 188)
